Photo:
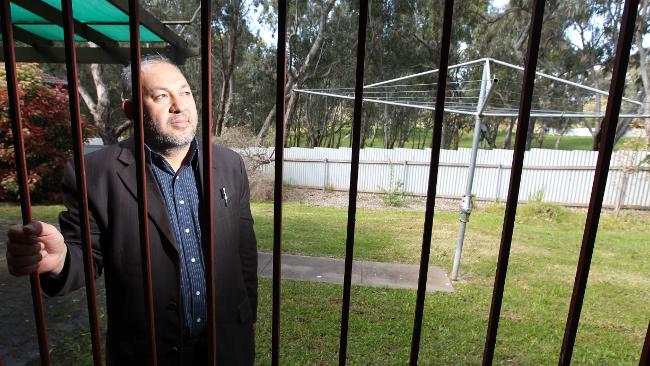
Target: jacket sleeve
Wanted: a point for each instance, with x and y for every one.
(247, 242)
(72, 276)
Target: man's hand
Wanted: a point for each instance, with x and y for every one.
(37, 246)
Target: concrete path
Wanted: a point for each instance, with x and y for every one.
(364, 273)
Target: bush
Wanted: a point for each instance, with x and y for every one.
(394, 196)
(261, 181)
(46, 132)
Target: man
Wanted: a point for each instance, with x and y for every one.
(177, 254)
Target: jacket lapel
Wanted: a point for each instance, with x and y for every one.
(156, 208)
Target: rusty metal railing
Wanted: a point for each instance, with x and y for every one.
(80, 176)
(433, 179)
(21, 169)
(605, 147)
(207, 214)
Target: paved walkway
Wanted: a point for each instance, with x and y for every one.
(364, 273)
(66, 315)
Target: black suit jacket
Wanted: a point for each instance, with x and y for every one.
(113, 206)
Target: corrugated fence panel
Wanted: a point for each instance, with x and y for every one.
(563, 177)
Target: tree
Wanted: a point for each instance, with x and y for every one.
(46, 131)
(297, 67)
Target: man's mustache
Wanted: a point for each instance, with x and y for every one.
(179, 117)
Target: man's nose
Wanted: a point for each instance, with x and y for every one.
(177, 105)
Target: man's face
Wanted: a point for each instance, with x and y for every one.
(170, 116)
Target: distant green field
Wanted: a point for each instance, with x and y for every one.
(566, 142)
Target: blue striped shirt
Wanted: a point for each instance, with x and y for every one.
(181, 195)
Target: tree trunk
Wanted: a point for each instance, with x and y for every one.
(530, 133)
(231, 91)
(100, 108)
(297, 79)
(227, 72)
(291, 106)
(540, 136)
(508, 140)
(374, 134)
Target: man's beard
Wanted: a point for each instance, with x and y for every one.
(166, 143)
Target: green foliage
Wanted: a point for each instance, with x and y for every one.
(394, 195)
(537, 196)
(46, 131)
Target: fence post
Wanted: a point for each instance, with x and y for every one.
(404, 176)
(497, 193)
(325, 174)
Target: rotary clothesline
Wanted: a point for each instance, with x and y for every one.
(563, 98)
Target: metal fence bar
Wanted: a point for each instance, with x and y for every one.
(280, 97)
(354, 178)
(525, 102)
(645, 351)
(433, 179)
(207, 214)
(141, 172)
(21, 168)
(80, 176)
(605, 147)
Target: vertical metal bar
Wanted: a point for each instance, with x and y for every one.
(354, 178)
(605, 147)
(445, 43)
(21, 168)
(645, 352)
(208, 193)
(280, 93)
(80, 175)
(525, 102)
(141, 170)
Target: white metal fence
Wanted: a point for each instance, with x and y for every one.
(563, 177)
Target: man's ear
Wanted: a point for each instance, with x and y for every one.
(127, 107)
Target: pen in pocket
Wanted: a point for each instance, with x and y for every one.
(224, 196)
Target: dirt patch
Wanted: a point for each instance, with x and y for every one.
(373, 201)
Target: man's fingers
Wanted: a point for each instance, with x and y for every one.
(34, 228)
(21, 248)
(25, 233)
(18, 261)
(21, 271)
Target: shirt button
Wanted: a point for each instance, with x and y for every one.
(181, 202)
(198, 293)
(187, 230)
(193, 260)
(198, 320)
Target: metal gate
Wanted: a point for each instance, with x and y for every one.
(591, 226)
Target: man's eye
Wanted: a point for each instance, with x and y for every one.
(186, 93)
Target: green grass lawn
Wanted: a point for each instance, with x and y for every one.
(543, 260)
(566, 142)
(544, 254)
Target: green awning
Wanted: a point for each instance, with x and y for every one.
(103, 22)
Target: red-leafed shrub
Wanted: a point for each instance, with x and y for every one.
(46, 130)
